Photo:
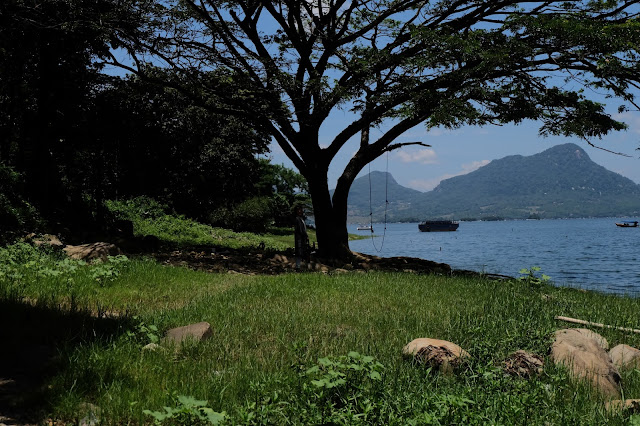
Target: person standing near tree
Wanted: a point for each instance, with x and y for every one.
(301, 237)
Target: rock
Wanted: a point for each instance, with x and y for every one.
(92, 251)
(198, 332)
(631, 405)
(91, 412)
(523, 364)
(153, 347)
(625, 356)
(280, 258)
(44, 240)
(436, 353)
(583, 354)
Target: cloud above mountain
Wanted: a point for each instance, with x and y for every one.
(423, 156)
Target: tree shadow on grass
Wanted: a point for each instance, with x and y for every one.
(31, 338)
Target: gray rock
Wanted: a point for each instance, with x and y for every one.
(197, 332)
(92, 251)
(152, 347)
(586, 359)
(625, 356)
(436, 353)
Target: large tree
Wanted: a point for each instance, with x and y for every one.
(396, 64)
(48, 75)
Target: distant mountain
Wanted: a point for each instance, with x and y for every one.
(382, 183)
(559, 182)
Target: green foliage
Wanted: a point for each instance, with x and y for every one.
(150, 218)
(255, 214)
(533, 278)
(17, 215)
(346, 387)
(187, 411)
(137, 208)
(143, 332)
(22, 265)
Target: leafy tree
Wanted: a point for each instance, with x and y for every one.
(169, 148)
(48, 73)
(77, 136)
(286, 188)
(400, 63)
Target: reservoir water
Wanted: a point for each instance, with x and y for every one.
(585, 253)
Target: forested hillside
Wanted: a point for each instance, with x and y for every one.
(559, 182)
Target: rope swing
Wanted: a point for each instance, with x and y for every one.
(386, 205)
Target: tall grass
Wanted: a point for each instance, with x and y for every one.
(270, 331)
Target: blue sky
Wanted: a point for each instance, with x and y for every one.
(460, 151)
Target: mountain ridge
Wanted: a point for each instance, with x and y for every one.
(559, 182)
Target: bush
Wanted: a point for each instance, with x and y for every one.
(16, 214)
(253, 215)
(137, 208)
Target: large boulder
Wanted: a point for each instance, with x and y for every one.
(436, 353)
(625, 356)
(197, 332)
(582, 352)
(92, 251)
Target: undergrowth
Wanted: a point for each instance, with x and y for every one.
(152, 218)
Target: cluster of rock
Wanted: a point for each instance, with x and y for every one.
(446, 356)
(86, 252)
(583, 352)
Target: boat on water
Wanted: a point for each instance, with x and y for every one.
(627, 224)
(364, 228)
(438, 225)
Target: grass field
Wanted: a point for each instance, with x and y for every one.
(297, 348)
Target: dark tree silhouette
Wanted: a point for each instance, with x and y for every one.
(401, 63)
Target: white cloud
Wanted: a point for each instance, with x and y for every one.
(423, 156)
(633, 120)
(429, 184)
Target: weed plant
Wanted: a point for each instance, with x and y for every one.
(314, 349)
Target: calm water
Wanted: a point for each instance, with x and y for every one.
(586, 253)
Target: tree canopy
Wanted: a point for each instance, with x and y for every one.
(397, 63)
(71, 136)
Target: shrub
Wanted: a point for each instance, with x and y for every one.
(253, 215)
(16, 214)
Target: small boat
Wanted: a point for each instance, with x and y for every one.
(364, 228)
(627, 224)
(438, 225)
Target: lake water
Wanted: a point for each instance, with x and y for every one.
(586, 253)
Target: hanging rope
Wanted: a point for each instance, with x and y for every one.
(386, 205)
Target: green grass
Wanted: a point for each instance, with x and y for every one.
(151, 218)
(268, 331)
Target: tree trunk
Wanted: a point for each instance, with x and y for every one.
(331, 220)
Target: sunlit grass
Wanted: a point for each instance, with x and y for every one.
(267, 329)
